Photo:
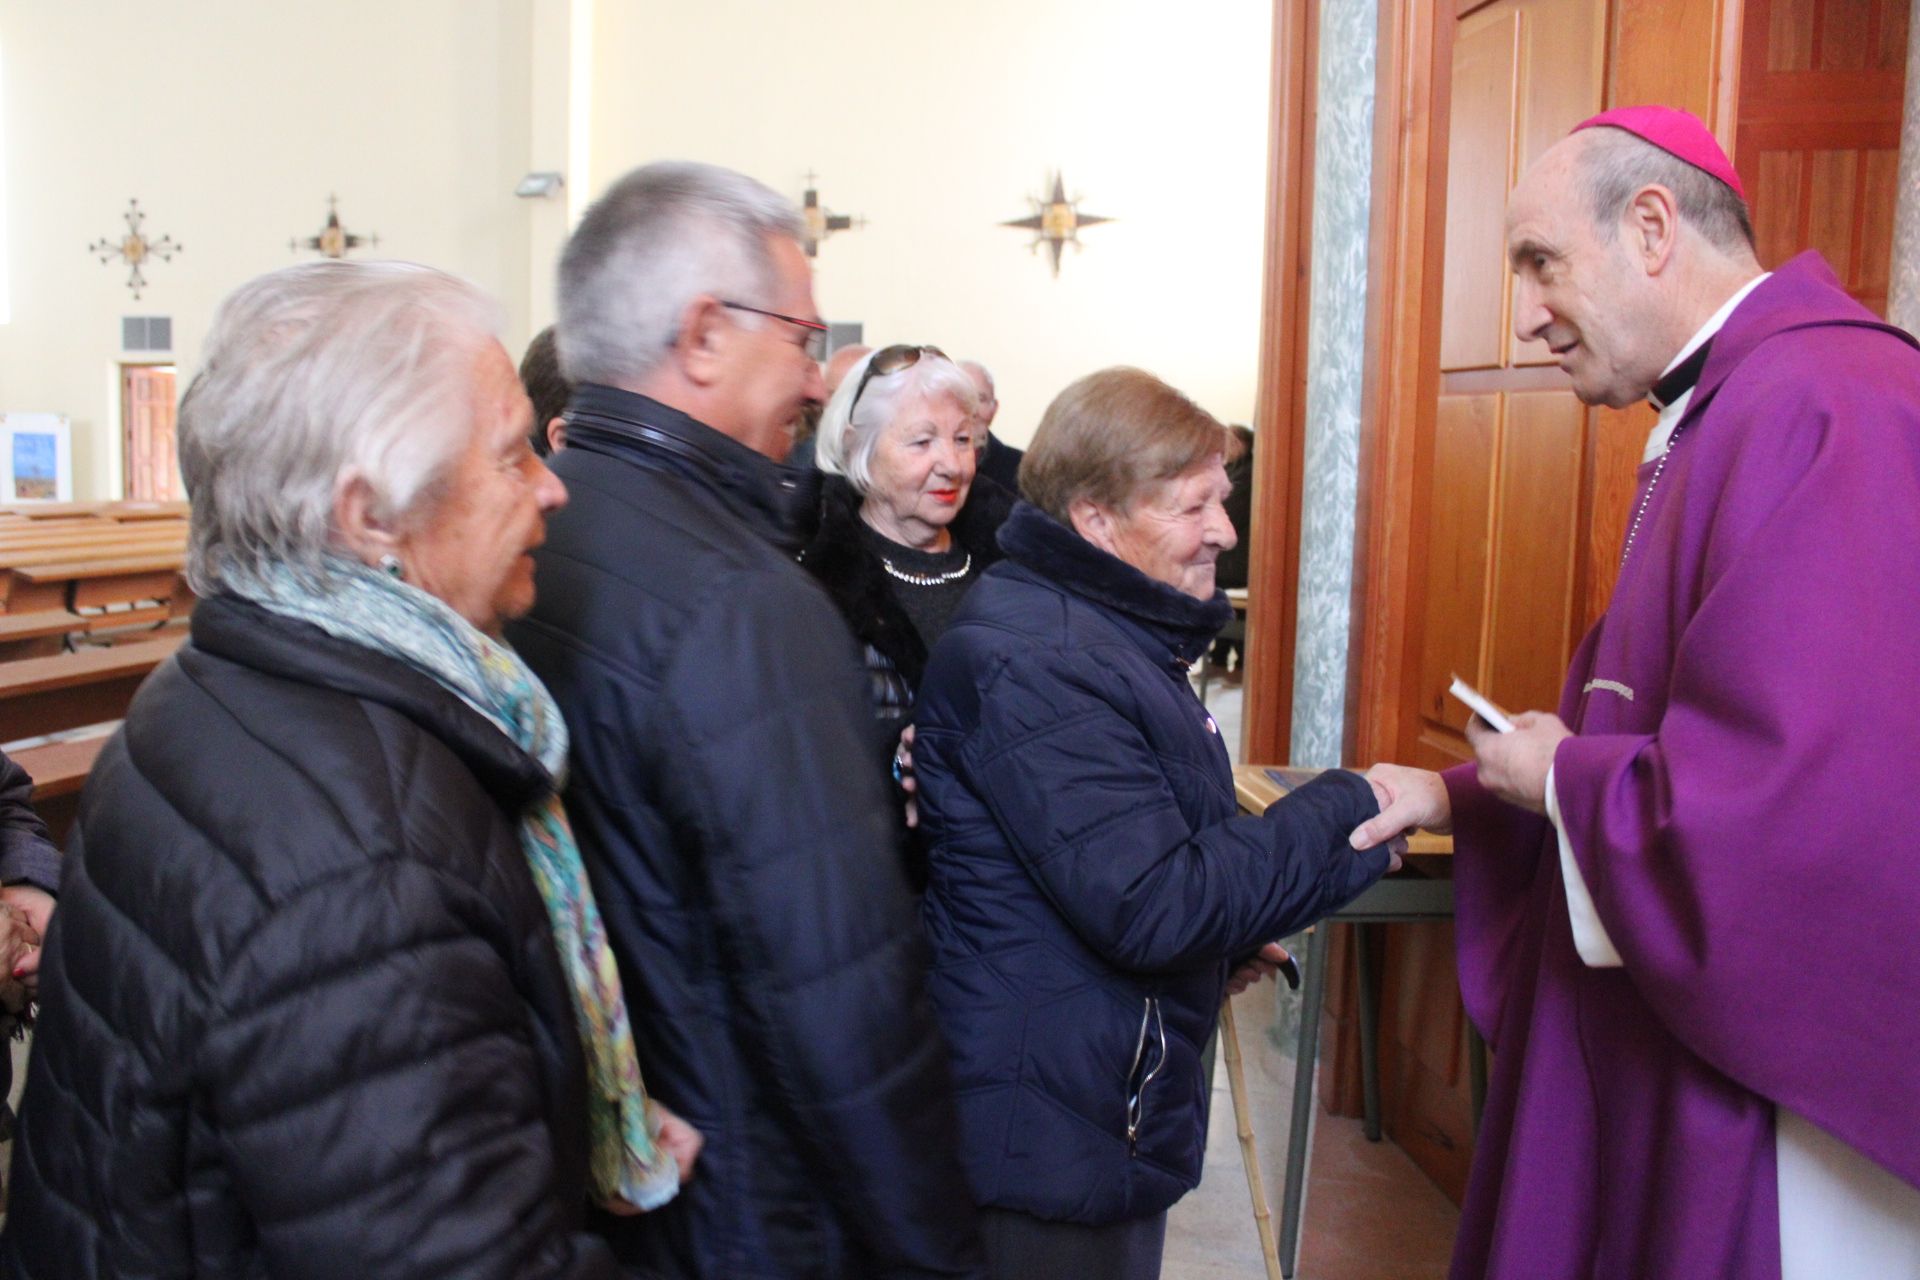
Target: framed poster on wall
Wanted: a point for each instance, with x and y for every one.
(36, 458)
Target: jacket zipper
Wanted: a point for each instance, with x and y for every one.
(1149, 1055)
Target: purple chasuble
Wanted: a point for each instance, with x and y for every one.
(1748, 730)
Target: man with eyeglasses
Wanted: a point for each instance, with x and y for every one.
(739, 840)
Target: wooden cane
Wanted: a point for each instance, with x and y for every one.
(1243, 1125)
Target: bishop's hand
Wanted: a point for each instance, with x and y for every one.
(1409, 799)
(1514, 765)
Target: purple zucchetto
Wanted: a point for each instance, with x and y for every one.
(1678, 133)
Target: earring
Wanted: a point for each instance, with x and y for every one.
(391, 566)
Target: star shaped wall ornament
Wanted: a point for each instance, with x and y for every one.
(822, 222)
(334, 240)
(1056, 221)
(134, 248)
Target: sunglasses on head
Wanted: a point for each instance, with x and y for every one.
(890, 360)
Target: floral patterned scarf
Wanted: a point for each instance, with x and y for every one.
(366, 607)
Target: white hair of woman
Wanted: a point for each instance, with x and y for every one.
(314, 375)
(845, 448)
(665, 234)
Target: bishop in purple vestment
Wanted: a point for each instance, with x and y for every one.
(1686, 903)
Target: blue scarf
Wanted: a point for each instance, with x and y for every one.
(366, 607)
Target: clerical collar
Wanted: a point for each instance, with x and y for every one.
(1674, 390)
(1680, 378)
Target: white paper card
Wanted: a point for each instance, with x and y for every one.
(1480, 706)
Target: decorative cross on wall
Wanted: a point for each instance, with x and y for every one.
(135, 248)
(1056, 221)
(334, 240)
(822, 222)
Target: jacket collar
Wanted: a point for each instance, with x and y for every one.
(243, 633)
(779, 502)
(1042, 545)
(1803, 294)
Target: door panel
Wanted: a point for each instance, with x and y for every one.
(1502, 561)
(1463, 451)
(1821, 93)
(1541, 452)
(1479, 142)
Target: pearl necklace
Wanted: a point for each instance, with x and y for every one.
(929, 579)
(1640, 512)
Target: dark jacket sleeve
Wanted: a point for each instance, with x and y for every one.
(27, 855)
(771, 772)
(406, 1136)
(1085, 803)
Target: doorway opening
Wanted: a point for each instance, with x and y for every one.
(152, 468)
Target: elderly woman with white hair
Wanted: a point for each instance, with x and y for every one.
(328, 994)
(907, 524)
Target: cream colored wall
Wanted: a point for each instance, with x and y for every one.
(936, 121)
(231, 121)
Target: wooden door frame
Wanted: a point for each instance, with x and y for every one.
(1401, 370)
(1411, 105)
(1280, 407)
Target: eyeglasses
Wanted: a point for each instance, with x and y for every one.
(890, 360)
(816, 343)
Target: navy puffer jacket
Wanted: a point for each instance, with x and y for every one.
(1091, 882)
(741, 845)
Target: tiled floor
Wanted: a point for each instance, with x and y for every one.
(1370, 1213)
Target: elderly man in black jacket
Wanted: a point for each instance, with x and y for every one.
(739, 841)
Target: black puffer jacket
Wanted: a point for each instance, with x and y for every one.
(1092, 883)
(303, 1015)
(740, 843)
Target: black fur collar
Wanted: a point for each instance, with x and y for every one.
(843, 562)
(1037, 542)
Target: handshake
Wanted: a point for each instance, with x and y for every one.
(1513, 765)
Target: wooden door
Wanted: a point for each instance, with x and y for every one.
(1492, 502)
(147, 408)
(1821, 89)
(1508, 453)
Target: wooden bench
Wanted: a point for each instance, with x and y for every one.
(110, 541)
(122, 510)
(37, 634)
(41, 696)
(59, 770)
(82, 584)
(81, 526)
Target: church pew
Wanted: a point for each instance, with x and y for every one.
(102, 540)
(89, 583)
(124, 509)
(41, 696)
(59, 770)
(37, 634)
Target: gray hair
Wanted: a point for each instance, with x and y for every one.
(980, 373)
(1616, 165)
(660, 237)
(845, 447)
(313, 374)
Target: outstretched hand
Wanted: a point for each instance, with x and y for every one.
(1409, 799)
